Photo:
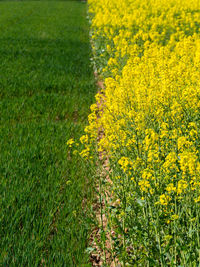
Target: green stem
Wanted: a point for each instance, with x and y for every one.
(157, 236)
(101, 211)
(175, 252)
(124, 215)
(198, 241)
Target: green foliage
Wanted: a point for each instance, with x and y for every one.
(46, 88)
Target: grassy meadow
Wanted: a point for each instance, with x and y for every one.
(46, 88)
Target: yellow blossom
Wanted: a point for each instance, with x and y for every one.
(70, 142)
(164, 199)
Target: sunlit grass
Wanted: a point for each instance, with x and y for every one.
(46, 87)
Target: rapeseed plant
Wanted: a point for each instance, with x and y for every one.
(148, 53)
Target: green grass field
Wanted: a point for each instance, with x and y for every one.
(46, 88)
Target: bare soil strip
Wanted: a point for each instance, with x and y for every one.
(102, 253)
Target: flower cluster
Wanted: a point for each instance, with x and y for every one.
(149, 55)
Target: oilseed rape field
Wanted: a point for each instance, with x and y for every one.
(148, 55)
